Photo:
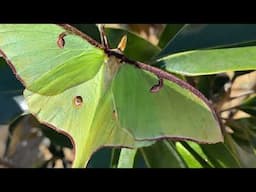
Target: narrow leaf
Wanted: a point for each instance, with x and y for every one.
(201, 36)
(126, 158)
(212, 61)
(169, 33)
(162, 154)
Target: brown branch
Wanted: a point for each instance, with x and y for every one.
(243, 95)
(229, 109)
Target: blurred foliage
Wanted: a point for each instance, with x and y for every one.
(24, 142)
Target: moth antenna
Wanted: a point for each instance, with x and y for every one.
(158, 86)
(122, 44)
(103, 35)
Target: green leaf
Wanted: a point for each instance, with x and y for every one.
(169, 33)
(114, 157)
(209, 155)
(244, 137)
(190, 160)
(126, 158)
(244, 130)
(201, 36)
(162, 154)
(221, 156)
(136, 49)
(246, 155)
(89, 29)
(213, 61)
(197, 153)
(100, 159)
(249, 106)
(139, 161)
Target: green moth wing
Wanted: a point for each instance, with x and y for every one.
(173, 111)
(64, 86)
(41, 63)
(86, 113)
(71, 88)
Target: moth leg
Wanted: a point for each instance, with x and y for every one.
(103, 36)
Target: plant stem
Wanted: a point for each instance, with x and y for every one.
(126, 158)
(229, 109)
(243, 95)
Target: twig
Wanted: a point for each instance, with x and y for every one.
(229, 109)
(243, 95)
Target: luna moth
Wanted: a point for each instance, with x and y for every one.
(97, 96)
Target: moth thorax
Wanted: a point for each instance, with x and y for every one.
(113, 65)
